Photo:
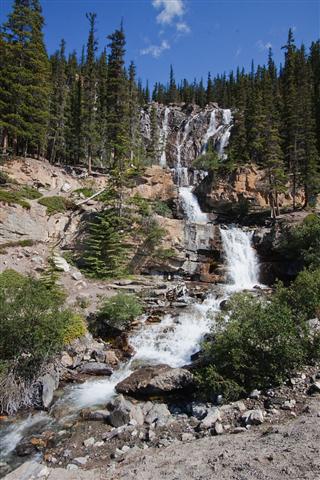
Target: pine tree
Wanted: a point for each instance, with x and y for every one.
(24, 79)
(172, 96)
(117, 100)
(90, 94)
(102, 108)
(106, 251)
(134, 119)
(290, 113)
(74, 126)
(58, 101)
(209, 92)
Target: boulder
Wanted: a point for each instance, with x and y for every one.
(156, 380)
(60, 263)
(49, 383)
(213, 416)
(94, 368)
(159, 414)
(253, 417)
(123, 412)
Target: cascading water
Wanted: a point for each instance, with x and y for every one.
(172, 341)
(164, 136)
(241, 258)
(224, 140)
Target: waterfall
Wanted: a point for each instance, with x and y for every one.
(241, 258)
(171, 341)
(212, 129)
(224, 140)
(164, 136)
(191, 207)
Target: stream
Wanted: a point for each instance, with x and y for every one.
(177, 337)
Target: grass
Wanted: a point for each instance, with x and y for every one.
(18, 243)
(13, 198)
(85, 191)
(56, 204)
(30, 193)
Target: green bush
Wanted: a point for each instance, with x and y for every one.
(161, 208)
(74, 328)
(33, 323)
(303, 295)
(207, 161)
(302, 243)
(256, 344)
(56, 204)
(117, 313)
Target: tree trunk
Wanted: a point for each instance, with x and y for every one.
(5, 141)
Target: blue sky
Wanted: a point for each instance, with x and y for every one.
(194, 35)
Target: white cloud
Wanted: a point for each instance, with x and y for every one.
(155, 50)
(238, 51)
(263, 46)
(170, 10)
(183, 27)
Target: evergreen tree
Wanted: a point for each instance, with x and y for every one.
(57, 124)
(90, 94)
(24, 79)
(209, 92)
(102, 108)
(117, 101)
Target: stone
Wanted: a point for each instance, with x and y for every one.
(288, 404)
(213, 416)
(199, 410)
(253, 417)
(159, 413)
(111, 358)
(66, 360)
(239, 430)
(76, 275)
(66, 187)
(89, 442)
(60, 263)
(314, 388)
(117, 418)
(218, 428)
(99, 415)
(187, 437)
(99, 444)
(95, 368)
(156, 380)
(72, 467)
(49, 383)
(255, 394)
(80, 460)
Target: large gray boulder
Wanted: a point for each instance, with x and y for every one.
(156, 380)
(123, 412)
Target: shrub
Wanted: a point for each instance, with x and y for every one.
(161, 208)
(56, 204)
(117, 313)
(302, 243)
(208, 161)
(74, 328)
(303, 295)
(256, 344)
(18, 243)
(33, 322)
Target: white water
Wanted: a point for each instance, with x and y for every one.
(15, 432)
(164, 136)
(212, 129)
(224, 140)
(191, 206)
(172, 341)
(241, 258)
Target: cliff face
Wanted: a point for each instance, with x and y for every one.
(184, 131)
